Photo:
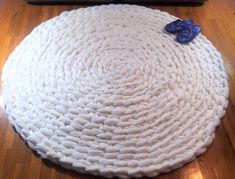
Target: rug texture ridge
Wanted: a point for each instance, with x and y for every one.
(104, 90)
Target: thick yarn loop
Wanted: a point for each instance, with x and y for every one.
(104, 90)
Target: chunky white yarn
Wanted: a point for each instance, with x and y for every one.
(103, 90)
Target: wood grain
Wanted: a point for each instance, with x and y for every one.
(217, 19)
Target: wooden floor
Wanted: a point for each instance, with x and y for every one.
(217, 19)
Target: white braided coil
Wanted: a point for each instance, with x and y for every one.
(103, 90)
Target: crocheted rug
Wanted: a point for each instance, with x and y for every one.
(103, 90)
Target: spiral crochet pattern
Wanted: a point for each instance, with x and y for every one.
(103, 90)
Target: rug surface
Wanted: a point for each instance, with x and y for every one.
(104, 90)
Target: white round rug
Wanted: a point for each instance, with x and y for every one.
(104, 90)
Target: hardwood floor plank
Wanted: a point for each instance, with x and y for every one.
(21, 170)
(218, 161)
(229, 123)
(191, 171)
(34, 167)
(46, 170)
(4, 47)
